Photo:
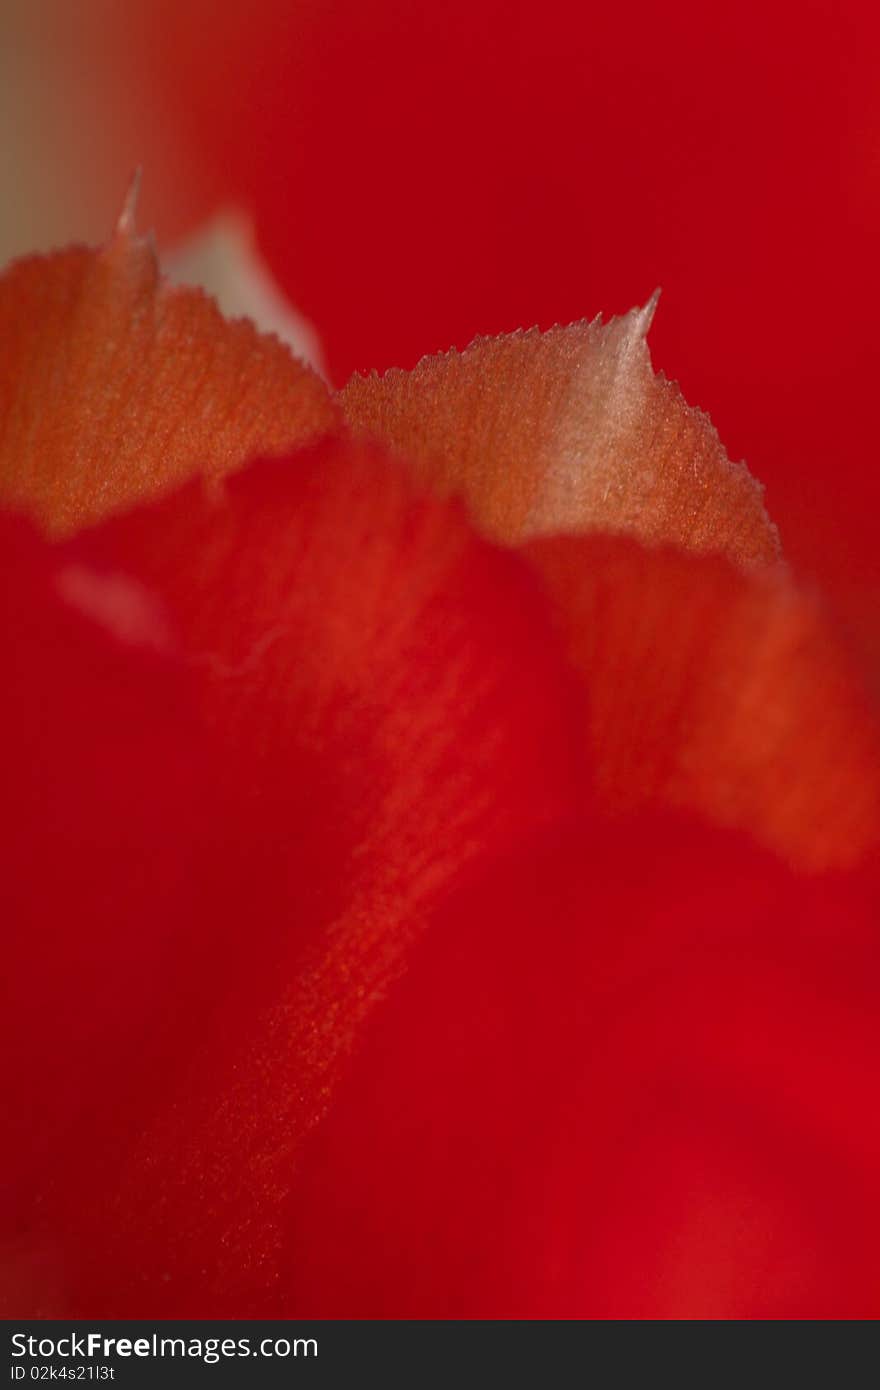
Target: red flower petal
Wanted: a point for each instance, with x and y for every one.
(635, 1086)
(384, 703)
(115, 387)
(111, 865)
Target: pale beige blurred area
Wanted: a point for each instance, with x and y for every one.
(76, 118)
(222, 257)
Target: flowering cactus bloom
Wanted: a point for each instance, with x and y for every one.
(439, 836)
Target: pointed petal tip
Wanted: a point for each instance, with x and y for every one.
(127, 220)
(644, 317)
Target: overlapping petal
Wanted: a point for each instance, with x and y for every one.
(368, 678)
(719, 691)
(710, 685)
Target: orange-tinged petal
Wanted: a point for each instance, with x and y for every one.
(718, 691)
(115, 387)
(569, 430)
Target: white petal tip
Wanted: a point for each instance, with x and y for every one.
(127, 220)
(644, 317)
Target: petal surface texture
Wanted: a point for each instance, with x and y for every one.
(115, 387)
(718, 691)
(568, 430)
